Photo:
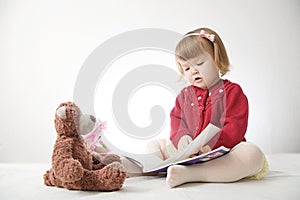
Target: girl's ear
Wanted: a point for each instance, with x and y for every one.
(220, 74)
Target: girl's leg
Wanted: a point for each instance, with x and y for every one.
(244, 160)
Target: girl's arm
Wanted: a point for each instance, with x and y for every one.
(235, 118)
(178, 123)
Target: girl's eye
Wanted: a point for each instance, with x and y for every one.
(199, 64)
(186, 69)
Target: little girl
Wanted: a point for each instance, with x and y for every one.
(202, 59)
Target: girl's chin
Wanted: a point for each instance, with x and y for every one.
(202, 86)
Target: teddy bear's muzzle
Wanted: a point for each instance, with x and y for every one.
(86, 124)
(61, 112)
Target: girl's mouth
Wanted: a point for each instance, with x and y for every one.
(198, 79)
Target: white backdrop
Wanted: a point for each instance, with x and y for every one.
(43, 45)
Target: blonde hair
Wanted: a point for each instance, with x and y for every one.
(193, 45)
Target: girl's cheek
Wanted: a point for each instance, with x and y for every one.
(187, 76)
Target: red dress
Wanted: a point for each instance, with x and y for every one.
(224, 105)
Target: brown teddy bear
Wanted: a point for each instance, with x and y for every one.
(73, 166)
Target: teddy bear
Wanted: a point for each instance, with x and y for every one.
(73, 166)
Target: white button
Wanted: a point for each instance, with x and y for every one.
(199, 98)
(209, 94)
(185, 90)
(192, 104)
(221, 90)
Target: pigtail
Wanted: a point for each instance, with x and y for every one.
(220, 56)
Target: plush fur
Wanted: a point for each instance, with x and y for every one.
(73, 166)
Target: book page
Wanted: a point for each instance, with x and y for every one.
(203, 138)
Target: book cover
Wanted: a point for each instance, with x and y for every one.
(194, 160)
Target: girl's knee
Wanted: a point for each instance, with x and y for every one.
(251, 156)
(153, 145)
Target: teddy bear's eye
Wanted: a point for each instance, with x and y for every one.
(74, 112)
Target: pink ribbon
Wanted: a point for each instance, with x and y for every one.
(94, 137)
(208, 36)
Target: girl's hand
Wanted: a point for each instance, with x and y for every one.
(205, 149)
(184, 142)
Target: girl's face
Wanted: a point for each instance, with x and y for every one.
(200, 71)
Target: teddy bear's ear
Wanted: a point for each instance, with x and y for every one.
(61, 112)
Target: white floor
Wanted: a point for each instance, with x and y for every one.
(25, 181)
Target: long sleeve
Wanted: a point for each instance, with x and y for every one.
(178, 121)
(234, 118)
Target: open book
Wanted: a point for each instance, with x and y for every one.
(153, 163)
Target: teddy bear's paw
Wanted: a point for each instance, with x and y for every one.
(69, 170)
(110, 158)
(116, 166)
(47, 180)
(114, 174)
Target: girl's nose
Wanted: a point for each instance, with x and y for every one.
(194, 70)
